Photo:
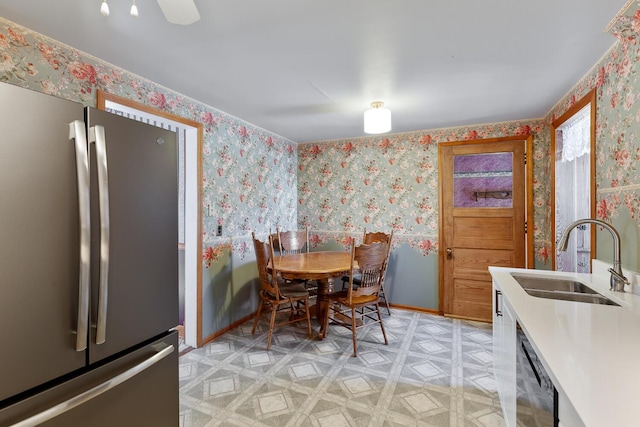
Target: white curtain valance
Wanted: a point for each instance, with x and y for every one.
(576, 136)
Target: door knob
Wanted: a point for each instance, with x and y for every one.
(449, 253)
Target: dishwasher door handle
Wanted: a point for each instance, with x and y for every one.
(498, 311)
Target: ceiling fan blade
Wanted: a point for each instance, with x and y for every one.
(183, 12)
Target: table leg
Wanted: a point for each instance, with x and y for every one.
(322, 303)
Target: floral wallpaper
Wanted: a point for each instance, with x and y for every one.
(256, 180)
(617, 85)
(391, 182)
(618, 150)
(249, 174)
(249, 185)
(615, 125)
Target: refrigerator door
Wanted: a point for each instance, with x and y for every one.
(138, 389)
(135, 246)
(39, 232)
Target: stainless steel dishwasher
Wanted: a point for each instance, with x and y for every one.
(537, 398)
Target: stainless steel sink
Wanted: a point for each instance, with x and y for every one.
(560, 288)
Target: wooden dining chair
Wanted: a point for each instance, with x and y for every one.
(293, 241)
(358, 306)
(368, 238)
(296, 242)
(275, 241)
(278, 298)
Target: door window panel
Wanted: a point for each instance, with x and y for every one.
(483, 180)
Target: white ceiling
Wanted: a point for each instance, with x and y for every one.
(307, 69)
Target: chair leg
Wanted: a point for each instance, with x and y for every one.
(326, 320)
(306, 310)
(384, 297)
(292, 310)
(255, 322)
(384, 335)
(353, 331)
(271, 325)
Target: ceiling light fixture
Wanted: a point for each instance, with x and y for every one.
(377, 119)
(134, 9)
(104, 9)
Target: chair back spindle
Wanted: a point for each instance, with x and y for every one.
(370, 261)
(293, 242)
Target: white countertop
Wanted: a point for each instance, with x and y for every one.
(590, 351)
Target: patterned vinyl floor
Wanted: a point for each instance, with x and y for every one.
(435, 371)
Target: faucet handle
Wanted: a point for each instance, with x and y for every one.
(618, 280)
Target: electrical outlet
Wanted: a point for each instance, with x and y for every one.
(219, 232)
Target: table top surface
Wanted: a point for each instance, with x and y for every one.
(314, 262)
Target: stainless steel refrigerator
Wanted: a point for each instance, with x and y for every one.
(88, 266)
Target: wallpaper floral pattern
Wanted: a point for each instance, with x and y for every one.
(391, 182)
(248, 173)
(617, 85)
(255, 180)
(617, 128)
(618, 148)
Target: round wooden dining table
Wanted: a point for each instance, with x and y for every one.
(319, 266)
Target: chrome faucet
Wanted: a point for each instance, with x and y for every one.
(617, 280)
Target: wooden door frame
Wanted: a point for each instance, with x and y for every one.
(102, 98)
(589, 98)
(528, 149)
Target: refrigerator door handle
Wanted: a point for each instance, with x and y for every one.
(78, 136)
(97, 135)
(96, 391)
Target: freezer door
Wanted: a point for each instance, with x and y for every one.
(137, 389)
(135, 239)
(39, 236)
